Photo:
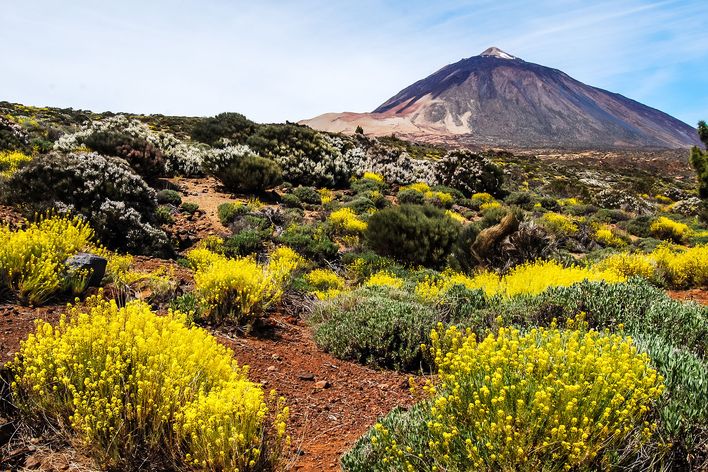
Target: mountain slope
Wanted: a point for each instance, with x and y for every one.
(498, 99)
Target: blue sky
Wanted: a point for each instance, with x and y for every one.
(278, 60)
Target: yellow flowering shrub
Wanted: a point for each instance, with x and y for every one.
(676, 266)
(421, 187)
(663, 199)
(373, 176)
(346, 221)
(531, 278)
(32, 259)
(668, 229)
(326, 194)
(489, 205)
(132, 385)
(608, 236)
(240, 288)
(326, 282)
(482, 197)
(682, 267)
(384, 279)
(629, 265)
(559, 223)
(10, 161)
(569, 201)
(551, 399)
(456, 216)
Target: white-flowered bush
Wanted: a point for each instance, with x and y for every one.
(218, 159)
(105, 190)
(469, 173)
(688, 207)
(180, 157)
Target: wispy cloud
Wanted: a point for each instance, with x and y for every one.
(276, 60)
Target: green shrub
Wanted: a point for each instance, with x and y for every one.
(549, 203)
(163, 215)
(375, 326)
(309, 241)
(638, 226)
(250, 173)
(228, 212)
(291, 201)
(410, 197)
(360, 204)
(189, 207)
(233, 126)
(307, 195)
(245, 242)
(168, 197)
(413, 234)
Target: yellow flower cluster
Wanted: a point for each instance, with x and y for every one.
(607, 236)
(443, 198)
(666, 228)
(549, 400)
(482, 197)
(527, 279)
(373, 176)
(559, 223)
(456, 216)
(241, 288)
(32, 259)
(489, 205)
(346, 221)
(326, 194)
(678, 266)
(663, 199)
(326, 282)
(569, 201)
(10, 161)
(384, 279)
(128, 381)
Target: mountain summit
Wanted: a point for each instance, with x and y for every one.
(497, 99)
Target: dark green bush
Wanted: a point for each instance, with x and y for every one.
(413, 234)
(639, 226)
(310, 242)
(367, 185)
(233, 126)
(524, 200)
(307, 195)
(168, 197)
(410, 197)
(250, 173)
(360, 204)
(375, 326)
(549, 203)
(291, 201)
(605, 215)
(189, 207)
(163, 214)
(245, 242)
(228, 212)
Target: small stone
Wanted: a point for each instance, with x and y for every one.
(322, 384)
(306, 376)
(276, 357)
(271, 368)
(384, 386)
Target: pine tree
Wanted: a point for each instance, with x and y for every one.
(699, 161)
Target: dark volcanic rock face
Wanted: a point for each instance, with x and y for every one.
(497, 99)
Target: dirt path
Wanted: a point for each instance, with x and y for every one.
(332, 402)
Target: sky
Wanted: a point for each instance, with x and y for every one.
(288, 60)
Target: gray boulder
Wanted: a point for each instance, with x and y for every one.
(96, 265)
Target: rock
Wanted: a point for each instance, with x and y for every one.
(275, 357)
(271, 368)
(96, 265)
(322, 384)
(306, 376)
